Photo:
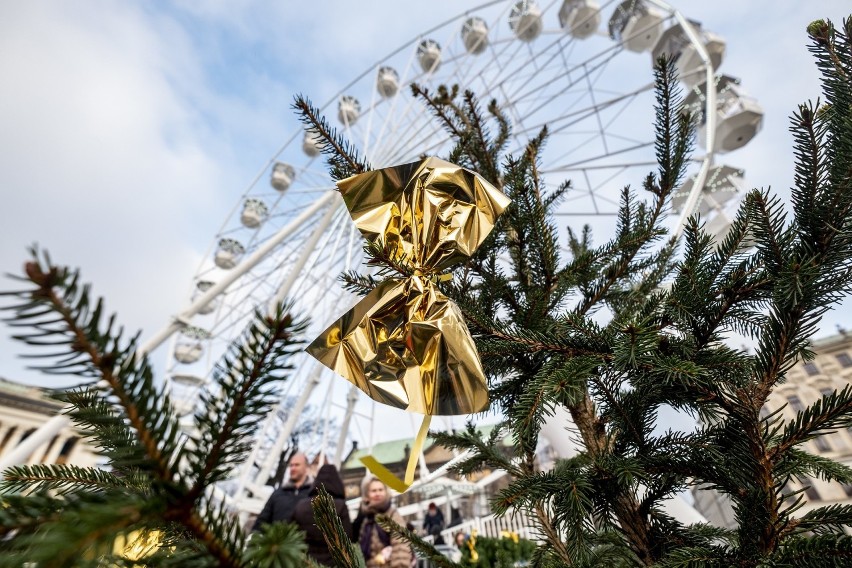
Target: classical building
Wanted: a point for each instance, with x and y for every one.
(829, 371)
(23, 409)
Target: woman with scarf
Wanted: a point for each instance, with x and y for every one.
(379, 548)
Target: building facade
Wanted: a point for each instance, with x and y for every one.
(23, 409)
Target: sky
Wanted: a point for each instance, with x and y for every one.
(129, 130)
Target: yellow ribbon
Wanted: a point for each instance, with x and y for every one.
(386, 476)
(435, 277)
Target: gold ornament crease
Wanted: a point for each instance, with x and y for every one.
(405, 343)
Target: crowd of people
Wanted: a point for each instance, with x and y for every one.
(292, 503)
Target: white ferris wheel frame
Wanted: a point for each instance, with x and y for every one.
(330, 201)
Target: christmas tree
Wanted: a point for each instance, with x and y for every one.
(610, 334)
(618, 330)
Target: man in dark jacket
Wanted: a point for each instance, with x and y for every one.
(282, 502)
(433, 523)
(303, 516)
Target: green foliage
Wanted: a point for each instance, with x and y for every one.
(159, 480)
(505, 552)
(612, 332)
(343, 551)
(343, 160)
(276, 545)
(421, 548)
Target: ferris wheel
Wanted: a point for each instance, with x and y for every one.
(581, 67)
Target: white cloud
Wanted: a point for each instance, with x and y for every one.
(101, 159)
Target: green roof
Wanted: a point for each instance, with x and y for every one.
(393, 451)
(385, 452)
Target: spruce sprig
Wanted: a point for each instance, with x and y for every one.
(343, 551)
(342, 158)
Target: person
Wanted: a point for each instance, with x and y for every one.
(455, 517)
(460, 540)
(281, 504)
(433, 524)
(379, 548)
(303, 515)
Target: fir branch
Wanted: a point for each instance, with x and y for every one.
(231, 414)
(830, 412)
(811, 168)
(424, 548)
(533, 342)
(95, 351)
(563, 495)
(481, 144)
(357, 283)
(674, 127)
(768, 219)
(801, 463)
(438, 106)
(697, 557)
(672, 149)
(104, 428)
(485, 453)
(831, 519)
(214, 528)
(389, 259)
(66, 478)
(343, 159)
(344, 553)
(23, 514)
(276, 545)
(815, 552)
(89, 522)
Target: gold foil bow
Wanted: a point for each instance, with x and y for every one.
(405, 343)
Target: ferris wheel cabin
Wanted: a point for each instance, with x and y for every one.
(282, 176)
(387, 82)
(348, 110)
(429, 55)
(229, 253)
(739, 117)
(254, 213)
(637, 25)
(210, 307)
(723, 184)
(189, 347)
(580, 18)
(690, 66)
(311, 144)
(188, 381)
(525, 20)
(475, 35)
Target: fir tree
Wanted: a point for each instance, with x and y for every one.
(537, 320)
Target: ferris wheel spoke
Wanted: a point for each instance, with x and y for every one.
(380, 137)
(307, 250)
(576, 117)
(325, 256)
(550, 99)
